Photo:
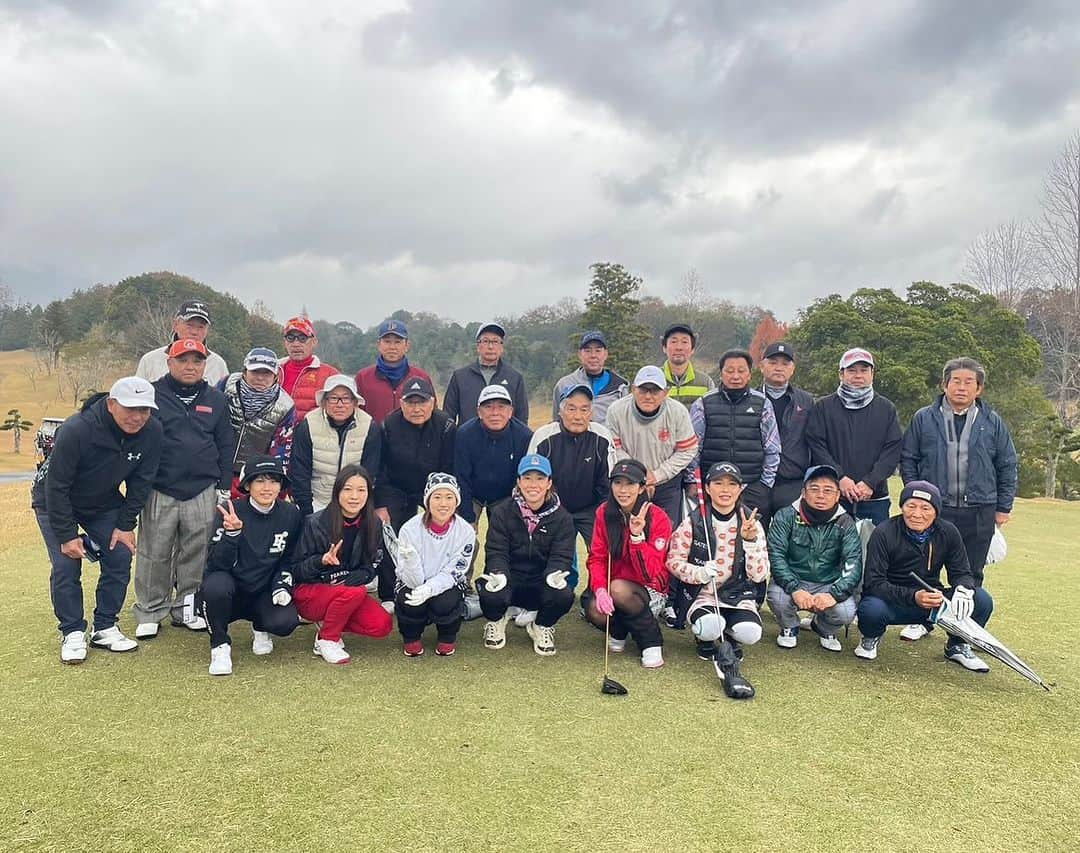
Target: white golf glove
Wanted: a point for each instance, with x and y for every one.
(711, 569)
(557, 580)
(408, 565)
(962, 602)
(281, 597)
(223, 496)
(493, 582)
(418, 596)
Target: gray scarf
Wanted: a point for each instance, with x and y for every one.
(855, 398)
(776, 393)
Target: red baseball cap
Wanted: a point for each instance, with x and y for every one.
(187, 345)
(301, 325)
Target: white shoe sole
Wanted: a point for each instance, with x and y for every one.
(73, 661)
(787, 642)
(147, 631)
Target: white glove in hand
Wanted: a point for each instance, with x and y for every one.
(963, 602)
(281, 597)
(223, 496)
(557, 580)
(418, 596)
(712, 569)
(493, 582)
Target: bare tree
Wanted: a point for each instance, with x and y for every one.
(1058, 229)
(1004, 262)
(692, 294)
(259, 308)
(151, 323)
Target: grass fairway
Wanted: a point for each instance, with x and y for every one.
(505, 750)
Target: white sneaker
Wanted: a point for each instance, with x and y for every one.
(73, 647)
(388, 606)
(788, 638)
(525, 618)
(543, 638)
(261, 644)
(912, 633)
(513, 611)
(867, 648)
(221, 660)
(652, 657)
(830, 643)
(616, 646)
(962, 654)
(113, 640)
(331, 651)
(495, 633)
(146, 630)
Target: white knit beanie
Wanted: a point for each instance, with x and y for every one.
(438, 480)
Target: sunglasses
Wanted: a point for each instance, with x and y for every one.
(297, 338)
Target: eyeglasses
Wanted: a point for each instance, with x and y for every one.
(339, 401)
(823, 490)
(297, 338)
(577, 410)
(490, 342)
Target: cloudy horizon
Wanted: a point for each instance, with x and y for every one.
(472, 159)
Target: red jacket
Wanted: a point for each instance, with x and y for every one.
(642, 562)
(380, 397)
(307, 383)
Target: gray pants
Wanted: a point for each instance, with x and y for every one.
(830, 622)
(173, 536)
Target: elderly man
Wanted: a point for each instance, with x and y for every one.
(113, 440)
(381, 385)
(649, 427)
(582, 455)
(792, 407)
(179, 515)
(736, 424)
(605, 385)
(922, 543)
(857, 432)
(963, 447)
(336, 434)
(487, 450)
(261, 414)
(816, 559)
(466, 383)
(301, 374)
(191, 323)
(683, 382)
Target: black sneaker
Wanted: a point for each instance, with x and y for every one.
(727, 670)
(706, 649)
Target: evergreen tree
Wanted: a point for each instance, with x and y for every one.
(612, 307)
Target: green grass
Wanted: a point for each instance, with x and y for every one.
(505, 750)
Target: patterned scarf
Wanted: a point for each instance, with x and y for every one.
(533, 517)
(855, 398)
(253, 401)
(920, 539)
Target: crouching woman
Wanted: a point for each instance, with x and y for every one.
(339, 554)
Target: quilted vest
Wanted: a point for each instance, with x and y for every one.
(733, 433)
(253, 436)
(329, 455)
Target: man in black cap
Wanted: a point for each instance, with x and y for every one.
(606, 385)
(192, 322)
(248, 570)
(418, 440)
(919, 542)
(792, 407)
(684, 383)
(466, 383)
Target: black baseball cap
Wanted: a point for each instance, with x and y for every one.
(593, 337)
(679, 327)
(724, 469)
(816, 472)
(418, 387)
(191, 308)
(631, 470)
(780, 348)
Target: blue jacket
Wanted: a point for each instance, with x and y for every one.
(486, 462)
(992, 470)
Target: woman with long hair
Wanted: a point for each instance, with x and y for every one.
(627, 572)
(339, 554)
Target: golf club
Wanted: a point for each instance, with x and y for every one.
(609, 686)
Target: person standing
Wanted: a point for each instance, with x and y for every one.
(381, 384)
(735, 423)
(791, 407)
(191, 323)
(856, 431)
(684, 383)
(606, 385)
(300, 373)
(649, 427)
(333, 436)
(466, 383)
(113, 440)
(179, 514)
(248, 568)
(261, 414)
(963, 447)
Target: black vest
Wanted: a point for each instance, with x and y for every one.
(733, 433)
(736, 588)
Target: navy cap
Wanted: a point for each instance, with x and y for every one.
(724, 469)
(261, 358)
(631, 470)
(816, 472)
(779, 348)
(924, 491)
(581, 388)
(393, 327)
(593, 337)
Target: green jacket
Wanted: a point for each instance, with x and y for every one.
(829, 553)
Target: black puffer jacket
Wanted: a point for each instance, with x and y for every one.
(528, 558)
(316, 541)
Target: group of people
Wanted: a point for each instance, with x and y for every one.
(289, 492)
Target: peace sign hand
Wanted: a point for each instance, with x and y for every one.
(748, 529)
(231, 520)
(637, 522)
(330, 558)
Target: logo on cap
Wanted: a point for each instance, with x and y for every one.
(926, 496)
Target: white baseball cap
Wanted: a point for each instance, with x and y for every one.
(650, 374)
(494, 392)
(854, 356)
(338, 380)
(132, 392)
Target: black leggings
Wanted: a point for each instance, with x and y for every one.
(221, 602)
(632, 615)
(550, 604)
(443, 611)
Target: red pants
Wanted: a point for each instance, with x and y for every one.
(342, 608)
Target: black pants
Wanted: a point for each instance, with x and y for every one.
(632, 615)
(222, 602)
(976, 526)
(758, 496)
(550, 604)
(443, 611)
(784, 493)
(669, 497)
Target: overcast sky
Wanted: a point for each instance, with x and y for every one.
(473, 158)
